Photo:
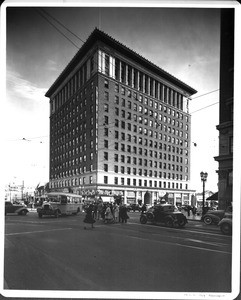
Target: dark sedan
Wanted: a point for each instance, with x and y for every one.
(20, 209)
(215, 216)
(166, 214)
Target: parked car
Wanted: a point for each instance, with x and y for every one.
(134, 207)
(20, 209)
(166, 214)
(226, 224)
(215, 216)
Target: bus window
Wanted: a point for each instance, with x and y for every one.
(63, 199)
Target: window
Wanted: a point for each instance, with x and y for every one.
(106, 132)
(116, 111)
(105, 167)
(105, 179)
(106, 83)
(106, 122)
(106, 107)
(105, 155)
(106, 143)
(106, 96)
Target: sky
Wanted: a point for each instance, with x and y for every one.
(185, 42)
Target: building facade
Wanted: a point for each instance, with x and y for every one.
(119, 126)
(225, 127)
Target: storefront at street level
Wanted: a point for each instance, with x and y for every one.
(135, 196)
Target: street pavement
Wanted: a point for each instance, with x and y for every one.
(52, 254)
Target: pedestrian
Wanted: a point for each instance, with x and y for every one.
(143, 209)
(116, 212)
(89, 216)
(188, 210)
(95, 211)
(123, 214)
(194, 210)
(108, 214)
(99, 210)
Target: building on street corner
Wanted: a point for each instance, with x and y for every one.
(119, 126)
(225, 126)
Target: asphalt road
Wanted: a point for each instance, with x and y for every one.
(58, 254)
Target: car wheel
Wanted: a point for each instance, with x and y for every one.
(226, 228)
(207, 220)
(181, 222)
(143, 219)
(168, 222)
(56, 214)
(40, 215)
(24, 212)
(150, 216)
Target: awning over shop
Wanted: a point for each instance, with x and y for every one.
(213, 197)
(107, 199)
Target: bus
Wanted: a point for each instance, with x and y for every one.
(58, 203)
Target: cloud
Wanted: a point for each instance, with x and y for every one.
(52, 65)
(23, 93)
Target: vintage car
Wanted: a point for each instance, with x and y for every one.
(134, 207)
(226, 224)
(166, 214)
(215, 216)
(20, 209)
(47, 209)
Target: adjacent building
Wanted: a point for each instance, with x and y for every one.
(225, 127)
(119, 126)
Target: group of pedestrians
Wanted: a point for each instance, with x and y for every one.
(108, 212)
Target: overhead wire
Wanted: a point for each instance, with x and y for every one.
(204, 107)
(57, 29)
(61, 24)
(204, 94)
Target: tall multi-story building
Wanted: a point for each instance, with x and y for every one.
(225, 127)
(119, 125)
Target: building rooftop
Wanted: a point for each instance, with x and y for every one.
(98, 35)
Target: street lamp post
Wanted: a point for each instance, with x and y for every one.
(204, 176)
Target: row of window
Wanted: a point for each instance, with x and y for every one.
(157, 106)
(131, 76)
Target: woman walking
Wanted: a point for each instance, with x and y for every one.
(108, 215)
(116, 213)
(89, 216)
